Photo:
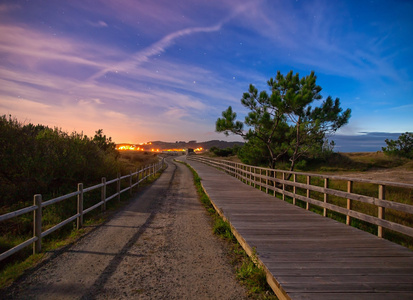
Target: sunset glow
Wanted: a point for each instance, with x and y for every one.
(165, 70)
(140, 148)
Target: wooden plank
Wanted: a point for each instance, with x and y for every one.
(342, 287)
(353, 279)
(348, 295)
(340, 271)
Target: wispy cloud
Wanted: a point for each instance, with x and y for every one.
(99, 24)
(403, 107)
(5, 8)
(140, 57)
(64, 100)
(312, 35)
(29, 48)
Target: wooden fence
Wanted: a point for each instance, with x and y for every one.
(285, 183)
(38, 205)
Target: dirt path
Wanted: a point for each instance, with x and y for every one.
(159, 247)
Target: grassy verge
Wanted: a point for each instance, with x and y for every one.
(248, 271)
(16, 267)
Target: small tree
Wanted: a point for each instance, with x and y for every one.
(103, 142)
(402, 147)
(284, 122)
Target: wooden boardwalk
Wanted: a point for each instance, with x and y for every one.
(305, 255)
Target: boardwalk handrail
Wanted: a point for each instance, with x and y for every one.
(265, 178)
(36, 240)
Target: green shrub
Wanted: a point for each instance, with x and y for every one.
(402, 147)
(35, 159)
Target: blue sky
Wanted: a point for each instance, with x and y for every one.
(165, 70)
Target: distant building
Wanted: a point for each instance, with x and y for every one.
(190, 151)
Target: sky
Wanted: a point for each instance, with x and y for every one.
(161, 70)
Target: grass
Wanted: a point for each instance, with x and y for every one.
(15, 270)
(248, 271)
(14, 266)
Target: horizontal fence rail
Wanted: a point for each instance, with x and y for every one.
(140, 175)
(285, 184)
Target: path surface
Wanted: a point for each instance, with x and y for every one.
(309, 256)
(159, 247)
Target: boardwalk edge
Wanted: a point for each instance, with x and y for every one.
(273, 283)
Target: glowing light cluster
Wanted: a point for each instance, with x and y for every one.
(174, 150)
(141, 148)
(131, 147)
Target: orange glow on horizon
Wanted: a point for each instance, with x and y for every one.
(140, 148)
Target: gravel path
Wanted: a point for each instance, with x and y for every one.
(159, 247)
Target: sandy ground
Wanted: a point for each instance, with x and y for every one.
(159, 247)
(392, 175)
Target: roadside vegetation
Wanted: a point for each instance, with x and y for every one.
(402, 147)
(248, 270)
(326, 162)
(36, 159)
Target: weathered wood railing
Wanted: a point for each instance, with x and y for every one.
(276, 181)
(38, 205)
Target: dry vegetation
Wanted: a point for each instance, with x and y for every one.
(382, 167)
(133, 160)
(368, 165)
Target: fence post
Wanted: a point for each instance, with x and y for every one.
(243, 174)
(307, 207)
(349, 206)
(130, 183)
(103, 194)
(80, 205)
(325, 196)
(381, 212)
(283, 186)
(147, 173)
(266, 181)
(118, 187)
(275, 183)
(255, 177)
(139, 175)
(37, 223)
(294, 189)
